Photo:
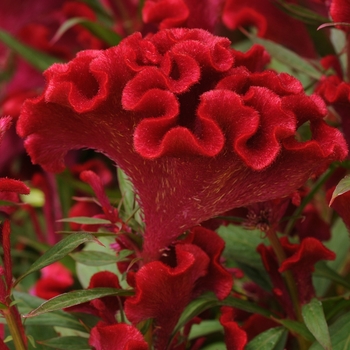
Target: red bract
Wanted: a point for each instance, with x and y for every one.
(193, 123)
(301, 259)
(192, 268)
(340, 12)
(117, 337)
(336, 93)
(341, 205)
(183, 13)
(235, 337)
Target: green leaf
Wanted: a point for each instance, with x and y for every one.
(340, 335)
(286, 56)
(332, 306)
(27, 302)
(84, 220)
(302, 13)
(67, 343)
(58, 251)
(240, 247)
(342, 187)
(196, 307)
(215, 346)
(323, 270)
(245, 305)
(85, 272)
(97, 258)
(296, 327)
(315, 321)
(131, 207)
(268, 340)
(100, 31)
(75, 298)
(340, 244)
(38, 59)
(205, 328)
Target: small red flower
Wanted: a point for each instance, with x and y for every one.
(188, 119)
(117, 337)
(164, 288)
(271, 23)
(235, 337)
(55, 279)
(301, 259)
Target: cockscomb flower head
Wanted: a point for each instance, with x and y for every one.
(197, 126)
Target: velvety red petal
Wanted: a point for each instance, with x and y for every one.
(301, 261)
(341, 205)
(117, 337)
(156, 298)
(168, 14)
(11, 185)
(340, 12)
(235, 337)
(55, 279)
(106, 306)
(182, 13)
(217, 279)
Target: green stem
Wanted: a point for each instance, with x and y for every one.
(14, 329)
(289, 280)
(298, 212)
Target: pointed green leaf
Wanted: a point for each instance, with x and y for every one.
(287, 56)
(205, 328)
(240, 247)
(100, 31)
(302, 13)
(96, 258)
(340, 334)
(27, 302)
(67, 343)
(315, 321)
(323, 270)
(268, 340)
(342, 187)
(38, 59)
(245, 305)
(58, 251)
(75, 298)
(196, 307)
(85, 220)
(296, 327)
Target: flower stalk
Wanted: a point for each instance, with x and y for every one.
(10, 316)
(289, 280)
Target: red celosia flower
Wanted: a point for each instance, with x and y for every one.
(340, 12)
(188, 119)
(301, 259)
(117, 337)
(55, 279)
(183, 13)
(235, 337)
(336, 92)
(192, 267)
(271, 23)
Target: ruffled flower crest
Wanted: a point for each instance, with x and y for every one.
(188, 119)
